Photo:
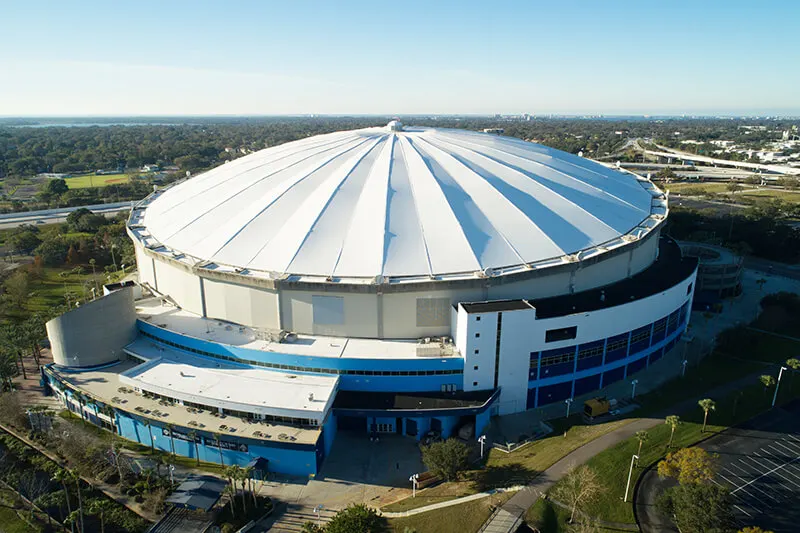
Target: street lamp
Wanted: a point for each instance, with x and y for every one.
(113, 259)
(317, 509)
(414, 480)
(630, 474)
(778, 384)
(568, 401)
(633, 390)
(683, 365)
(171, 476)
(482, 439)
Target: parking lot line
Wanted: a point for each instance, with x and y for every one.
(769, 486)
(742, 510)
(750, 494)
(767, 473)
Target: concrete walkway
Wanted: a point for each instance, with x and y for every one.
(448, 503)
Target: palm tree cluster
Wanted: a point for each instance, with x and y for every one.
(236, 474)
(17, 339)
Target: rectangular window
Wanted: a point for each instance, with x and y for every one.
(561, 334)
(557, 357)
(475, 367)
(477, 335)
(328, 310)
(591, 349)
(433, 312)
(477, 351)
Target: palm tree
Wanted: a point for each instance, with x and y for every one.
(171, 440)
(218, 436)
(62, 476)
(232, 492)
(673, 421)
(230, 474)
(241, 475)
(71, 519)
(72, 476)
(193, 436)
(768, 381)
(101, 507)
(642, 436)
(794, 364)
(150, 429)
(248, 472)
(707, 405)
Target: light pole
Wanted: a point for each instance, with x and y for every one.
(317, 509)
(630, 474)
(413, 479)
(171, 476)
(683, 365)
(568, 401)
(778, 384)
(482, 439)
(113, 259)
(633, 389)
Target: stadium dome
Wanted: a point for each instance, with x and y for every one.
(397, 202)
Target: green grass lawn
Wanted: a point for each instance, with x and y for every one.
(48, 290)
(549, 518)
(748, 192)
(462, 518)
(515, 468)
(612, 465)
(92, 180)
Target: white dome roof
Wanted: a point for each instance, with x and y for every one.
(395, 202)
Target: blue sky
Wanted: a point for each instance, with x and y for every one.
(262, 57)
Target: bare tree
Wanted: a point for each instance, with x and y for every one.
(579, 487)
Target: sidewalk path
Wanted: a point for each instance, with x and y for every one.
(448, 503)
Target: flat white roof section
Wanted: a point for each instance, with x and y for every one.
(199, 380)
(384, 203)
(167, 316)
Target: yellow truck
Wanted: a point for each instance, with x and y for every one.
(598, 406)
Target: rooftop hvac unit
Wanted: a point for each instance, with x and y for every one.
(428, 350)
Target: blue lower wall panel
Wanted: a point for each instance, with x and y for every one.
(612, 376)
(588, 384)
(555, 393)
(636, 366)
(284, 458)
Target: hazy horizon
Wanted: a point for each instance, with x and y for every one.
(254, 58)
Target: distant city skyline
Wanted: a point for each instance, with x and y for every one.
(361, 58)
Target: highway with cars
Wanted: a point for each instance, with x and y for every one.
(51, 216)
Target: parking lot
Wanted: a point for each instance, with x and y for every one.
(760, 464)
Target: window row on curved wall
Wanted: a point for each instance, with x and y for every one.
(297, 368)
(635, 346)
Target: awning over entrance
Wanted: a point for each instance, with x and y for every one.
(197, 492)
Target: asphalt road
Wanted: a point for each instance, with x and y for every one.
(51, 216)
(759, 462)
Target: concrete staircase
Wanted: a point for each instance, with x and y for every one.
(289, 518)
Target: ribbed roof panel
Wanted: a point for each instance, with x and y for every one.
(417, 202)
